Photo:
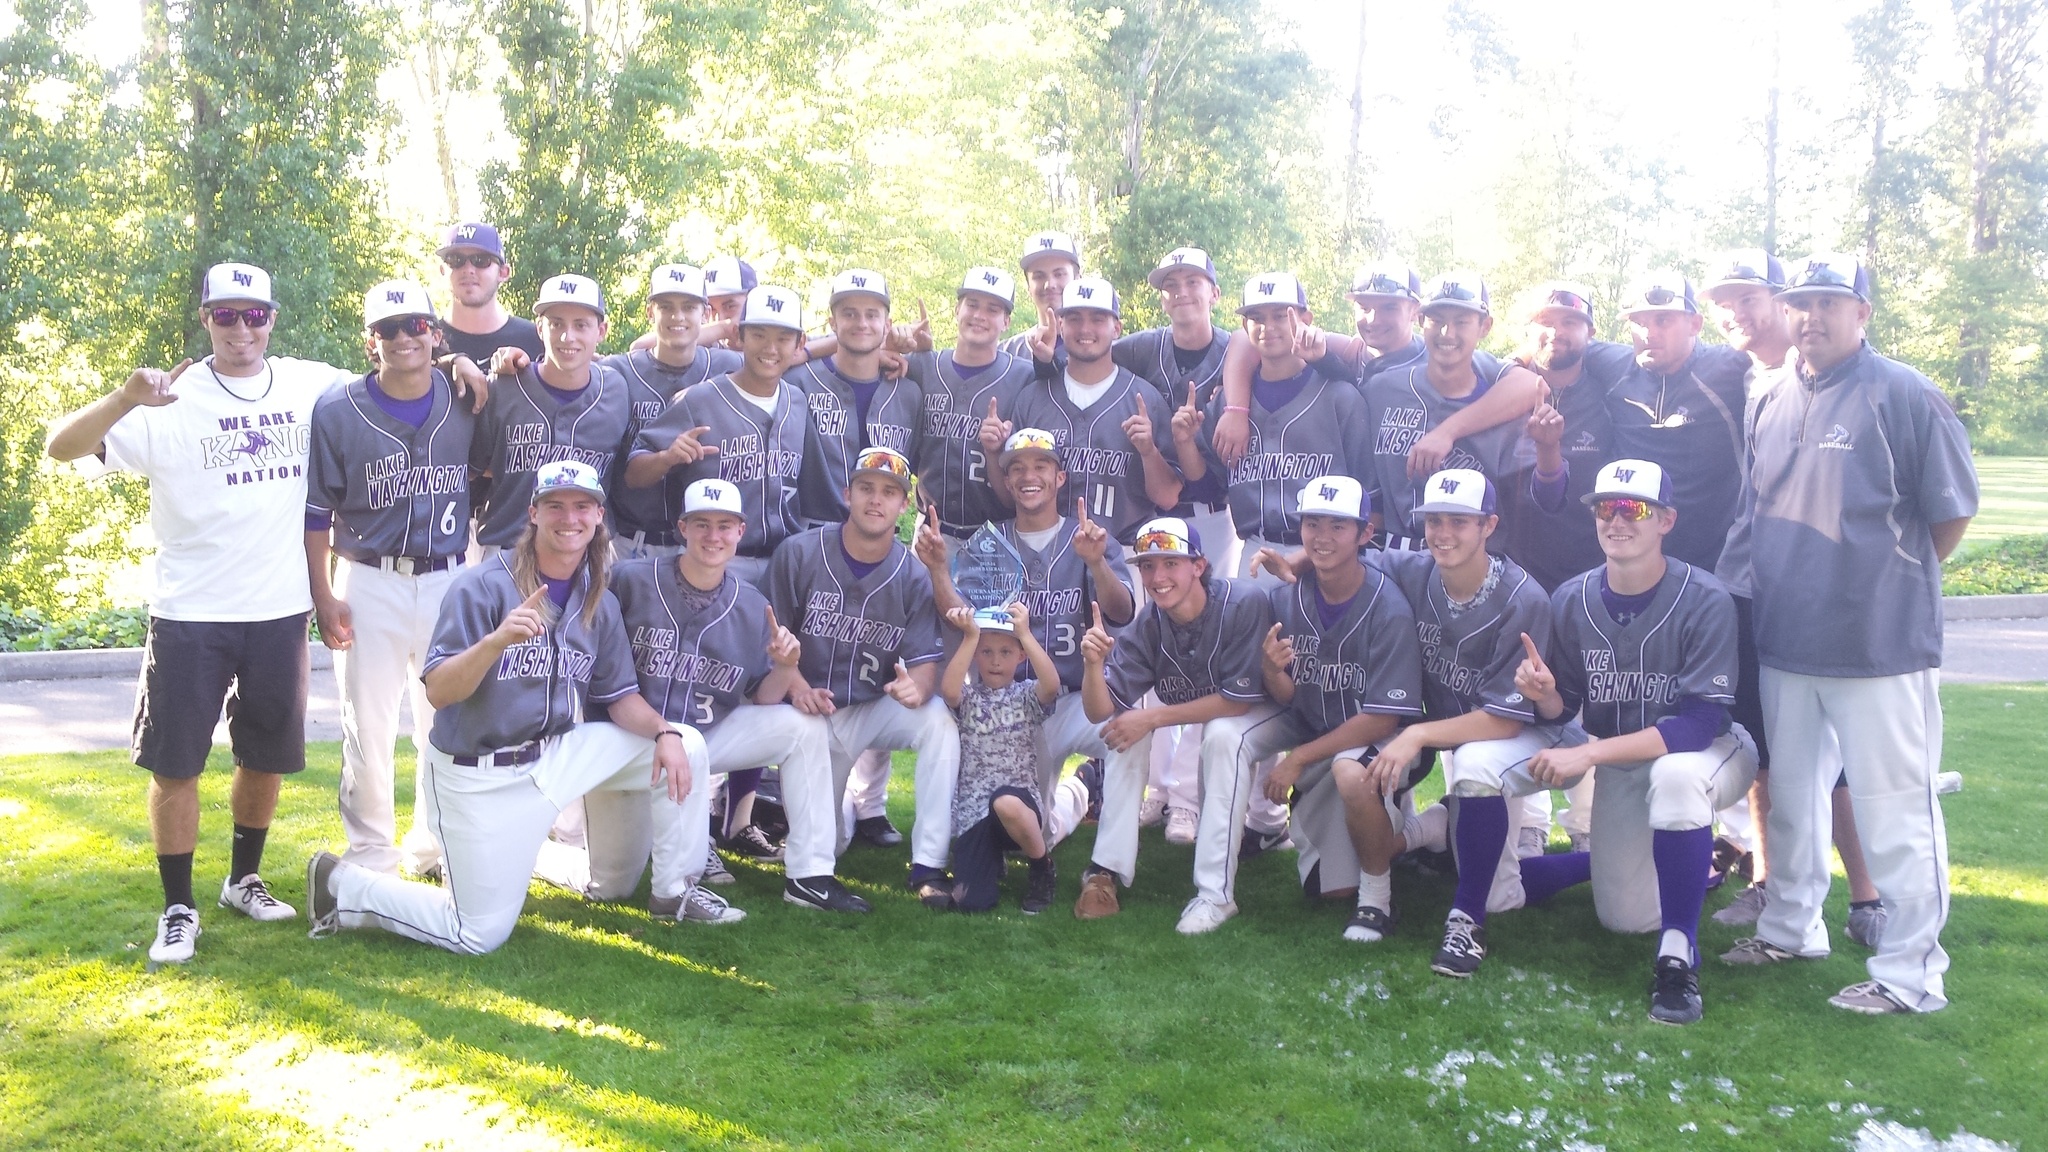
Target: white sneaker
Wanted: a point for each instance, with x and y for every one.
(1152, 813)
(699, 905)
(177, 931)
(1202, 916)
(251, 897)
(1531, 842)
(1745, 908)
(1947, 782)
(1180, 826)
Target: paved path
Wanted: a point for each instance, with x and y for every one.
(86, 715)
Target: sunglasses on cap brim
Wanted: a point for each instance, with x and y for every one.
(1161, 544)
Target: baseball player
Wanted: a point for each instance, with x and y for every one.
(1343, 668)
(1050, 262)
(853, 407)
(727, 281)
(711, 654)
(566, 406)
(862, 608)
(654, 378)
(1194, 647)
(1642, 650)
(528, 641)
(1100, 415)
(959, 387)
(478, 325)
(1070, 563)
(1863, 483)
(223, 445)
(387, 489)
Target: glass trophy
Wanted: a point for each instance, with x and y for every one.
(987, 571)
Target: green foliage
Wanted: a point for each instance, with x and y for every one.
(2015, 564)
(30, 631)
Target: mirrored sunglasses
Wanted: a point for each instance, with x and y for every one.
(1627, 509)
(229, 317)
(410, 325)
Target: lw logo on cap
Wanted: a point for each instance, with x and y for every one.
(859, 281)
(1085, 292)
(989, 278)
(566, 286)
(1327, 491)
(675, 276)
(467, 231)
(1450, 487)
(1625, 475)
(1265, 287)
(1045, 242)
(242, 278)
(1180, 257)
(394, 296)
(774, 303)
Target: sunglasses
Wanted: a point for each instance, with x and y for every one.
(456, 260)
(1632, 510)
(1160, 542)
(1658, 297)
(1452, 290)
(873, 461)
(1822, 273)
(1381, 285)
(1559, 298)
(229, 317)
(410, 325)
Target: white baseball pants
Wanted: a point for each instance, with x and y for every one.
(885, 725)
(1067, 732)
(492, 822)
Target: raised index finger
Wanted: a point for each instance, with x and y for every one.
(534, 600)
(1529, 646)
(772, 628)
(1098, 615)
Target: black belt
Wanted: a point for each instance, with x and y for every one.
(509, 758)
(412, 565)
(946, 529)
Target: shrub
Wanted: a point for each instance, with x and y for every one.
(2015, 564)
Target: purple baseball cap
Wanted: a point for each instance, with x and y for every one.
(474, 236)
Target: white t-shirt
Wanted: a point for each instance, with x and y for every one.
(227, 489)
(1084, 396)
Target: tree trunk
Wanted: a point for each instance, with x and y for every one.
(1770, 237)
(1871, 191)
(1136, 106)
(1349, 234)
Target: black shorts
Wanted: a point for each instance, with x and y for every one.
(1749, 688)
(192, 668)
(978, 856)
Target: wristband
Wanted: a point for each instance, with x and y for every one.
(1237, 408)
(667, 732)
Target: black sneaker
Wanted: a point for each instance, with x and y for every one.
(1463, 948)
(1675, 997)
(770, 818)
(1369, 925)
(824, 893)
(1044, 883)
(1256, 843)
(754, 844)
(1090, 776)
(878, 831)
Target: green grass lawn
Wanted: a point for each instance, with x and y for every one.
(2014, 491)
(596, 1028)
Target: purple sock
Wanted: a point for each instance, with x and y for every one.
(1479, 831)
(738, 786)
(1682, 862)
(1546, 876)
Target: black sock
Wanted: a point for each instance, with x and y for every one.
(1859, 904)
(248, 852)
(176, 873)
(1039, 861)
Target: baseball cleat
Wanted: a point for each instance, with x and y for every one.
(1098, 896)
(1756, 950)
(1675, 992)
(1256, 843)
(878, 831)
(1369, 925)
(1090, 776)
(754, 844)
(251, 897)
(322, 909)
(1866, 923)
(824, 893)
(433, 873)
(1180, 826)
(1745, 908)
(177, 932)
(699, 905)
(1582, 841)
(1043, 887)
(1869, 998)
(1531, 842)
(1203, 916)
(1464, 946)
(1152, 813)
(715, 871)
(933, 889)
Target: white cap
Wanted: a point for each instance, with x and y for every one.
(1335, 496)
(1631, 480)
(713, 496)
(566, 476)
(729, 276)
(858, 282)
(569, 289)
(1044, 244)
(773, 307)
(236, 282)
(1463, 491)
(1165, 536)
(992, 282)
(395, 298)
(1089, 292)
(676, 280)
(1179, 258)
(1273, 288)
(1660, 291)
(994, 620)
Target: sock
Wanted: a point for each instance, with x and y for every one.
(1428, 829)
(248, 855)
(1675, 943)
(739, 786)
(1546, 876)
(1856, 905)
(176, 874)
(1478, 834)
(1376, 891)
(1682, 860)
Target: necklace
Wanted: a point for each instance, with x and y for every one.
(269, 378)
(1486, 588)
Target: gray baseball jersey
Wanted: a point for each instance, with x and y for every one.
(1691, 422)
(1554, 546)
(853, 629)
(1850, 470)
(1469, 655)
(523, 427)
(1149, 355)
(952, 471)
(1401, 406)
(699, 654)
(895, 419)
(1322, 431)
(759, 452)
(1101, 465)
(1218, 652)
(1626, 677)
(652, 385)
(1368, 661)
(540, 687)
(1059, 591)
(392, 489)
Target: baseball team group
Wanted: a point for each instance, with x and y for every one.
(653, 609)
